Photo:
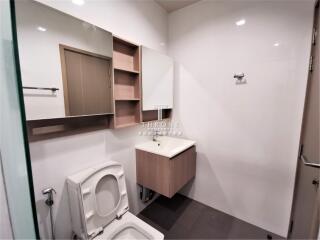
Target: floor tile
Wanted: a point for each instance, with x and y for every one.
(183, 218)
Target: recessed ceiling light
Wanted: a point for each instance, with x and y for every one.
(78, 2)
(241, 22)
(41, 29)
(276, 44)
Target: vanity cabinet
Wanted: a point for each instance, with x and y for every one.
(165, 175)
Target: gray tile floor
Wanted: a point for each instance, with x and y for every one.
(184, 218)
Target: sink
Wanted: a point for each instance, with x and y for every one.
(166, 146)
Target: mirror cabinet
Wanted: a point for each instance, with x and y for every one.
(157, 76)
(66, 63)
(74, 72)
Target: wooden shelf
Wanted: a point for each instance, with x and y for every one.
(126, 56)
(147, 121)
(152, 115)
(47, 121)
(124, 41)
(127, 125)
(127, 83)
(57, 127)
(126, 70)
(127, 112)
(127, 99)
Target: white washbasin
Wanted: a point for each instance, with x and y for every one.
(166, 146)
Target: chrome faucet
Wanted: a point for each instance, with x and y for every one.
(49, 192)
(155, 135)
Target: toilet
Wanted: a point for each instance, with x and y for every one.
(99, 206)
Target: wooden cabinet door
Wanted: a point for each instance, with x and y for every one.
(182, 169)
(87, 83)
(153, 172)
(165, 175)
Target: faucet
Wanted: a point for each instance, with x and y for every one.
(155, 135)
(49, 192)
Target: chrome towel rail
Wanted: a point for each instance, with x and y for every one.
(307, 163)
(305, 160)
(53, 89)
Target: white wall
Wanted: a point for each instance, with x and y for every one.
(247, 135)
(143, 22)
(53, 160)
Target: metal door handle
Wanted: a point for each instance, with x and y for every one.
(307, 163)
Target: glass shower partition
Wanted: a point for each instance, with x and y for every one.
(16, 182)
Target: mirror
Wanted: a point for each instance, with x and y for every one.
(66, 63)
(157, 80)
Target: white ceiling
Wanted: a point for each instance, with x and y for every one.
(173, 5)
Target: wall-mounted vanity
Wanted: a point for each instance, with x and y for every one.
(166, 165)
(78, 74)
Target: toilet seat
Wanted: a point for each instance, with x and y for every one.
(99, 205)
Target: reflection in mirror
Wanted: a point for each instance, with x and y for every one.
(157, 80)
(65, 63)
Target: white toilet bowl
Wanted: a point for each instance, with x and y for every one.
(129, 227)
(99, 206)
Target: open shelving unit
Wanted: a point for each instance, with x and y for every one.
(127, 83)
(152, 115)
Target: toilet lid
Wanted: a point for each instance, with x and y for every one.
(104, 196)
